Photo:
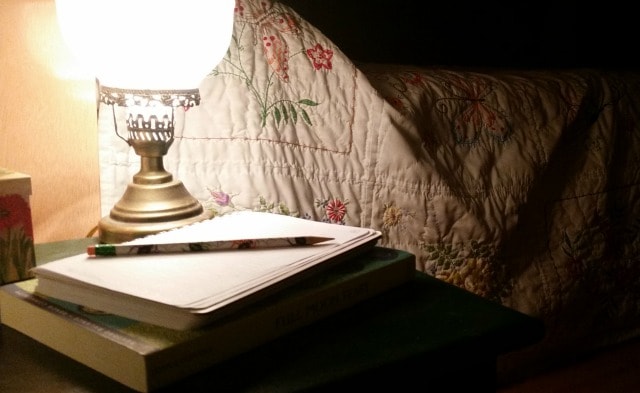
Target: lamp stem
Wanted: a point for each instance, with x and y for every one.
(152, 171)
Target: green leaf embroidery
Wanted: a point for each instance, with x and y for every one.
(305, 117)
(306, 101)
(283, 110)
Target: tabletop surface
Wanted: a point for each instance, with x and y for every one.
(426, 321)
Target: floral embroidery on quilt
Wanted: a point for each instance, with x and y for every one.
(333, 210)
(320, 57)
(394, 217)
(398, 103)
(275, 207)
(270, 24)
(473, 109)
(219, 202)
(472, 265)
(281, 81)
(399, 88)
(470, 100)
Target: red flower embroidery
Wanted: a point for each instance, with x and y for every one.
(414, 78)
(320, 57)
(271, 22)
(14, 211)
(396, 103)
(277, 52)
(480, 113)
(336, 210)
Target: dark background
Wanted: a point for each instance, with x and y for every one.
(522, 34)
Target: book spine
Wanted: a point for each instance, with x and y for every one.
(77, 318)
(68, 335)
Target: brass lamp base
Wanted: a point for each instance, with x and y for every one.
(145, 209)
(154, 201)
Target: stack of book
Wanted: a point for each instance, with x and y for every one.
(168, 305)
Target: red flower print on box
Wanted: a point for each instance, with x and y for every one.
(17, 254)
(15, 212)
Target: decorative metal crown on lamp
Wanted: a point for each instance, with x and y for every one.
(149, 57)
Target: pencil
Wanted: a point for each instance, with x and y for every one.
(110, 250)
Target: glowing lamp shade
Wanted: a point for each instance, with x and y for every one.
(147, 44)
(149, 57)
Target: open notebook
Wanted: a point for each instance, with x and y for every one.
(189, 290)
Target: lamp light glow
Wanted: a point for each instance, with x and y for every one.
(149, 57)
(147, 44)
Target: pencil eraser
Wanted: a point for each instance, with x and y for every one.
(91, 250)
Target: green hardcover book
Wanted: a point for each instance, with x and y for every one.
(146, 357)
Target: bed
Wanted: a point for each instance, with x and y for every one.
(518, 184)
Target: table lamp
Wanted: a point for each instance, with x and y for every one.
(149, 57)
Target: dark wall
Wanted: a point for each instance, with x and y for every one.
(497, 34)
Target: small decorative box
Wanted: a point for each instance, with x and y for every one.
(17, 255)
